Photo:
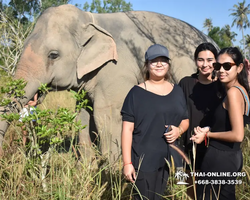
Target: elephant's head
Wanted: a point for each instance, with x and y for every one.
(63, 47)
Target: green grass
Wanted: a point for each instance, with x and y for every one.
(4, 78)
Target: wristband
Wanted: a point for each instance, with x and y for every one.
(180, 131)
(127, 164)
(206, 139)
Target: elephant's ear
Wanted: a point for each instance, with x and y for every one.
(98, 47)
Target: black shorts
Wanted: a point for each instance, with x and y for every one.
(220, 161)
(151, 184)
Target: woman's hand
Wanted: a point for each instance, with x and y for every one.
(173, 134)
(247, 67)
(129, 172)
(31, 103)
(200, 134)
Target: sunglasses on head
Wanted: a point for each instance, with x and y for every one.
(227, 66)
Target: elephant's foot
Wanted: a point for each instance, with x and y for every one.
(111, 150)
(86, 153)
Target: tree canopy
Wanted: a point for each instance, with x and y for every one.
(222, 36)
(107, 6)
(240, 12)
(208, 24)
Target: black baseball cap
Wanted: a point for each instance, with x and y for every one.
(155, 51)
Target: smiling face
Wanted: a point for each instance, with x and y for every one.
(228, 76)
(158, 67)
(204, 63)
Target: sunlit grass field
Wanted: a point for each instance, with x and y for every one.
(70, 175)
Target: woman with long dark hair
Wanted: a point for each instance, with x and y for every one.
(200, 90)
(223, 157)
(201, 96)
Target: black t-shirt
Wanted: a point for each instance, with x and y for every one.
(201, 100)
(150, 113)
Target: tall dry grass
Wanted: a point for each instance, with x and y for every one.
(71, 176)
(243, 190)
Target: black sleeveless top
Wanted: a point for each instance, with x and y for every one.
(221, 122)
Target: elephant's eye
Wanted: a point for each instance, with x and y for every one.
(53, 55)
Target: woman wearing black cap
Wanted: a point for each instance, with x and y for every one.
(148, 109)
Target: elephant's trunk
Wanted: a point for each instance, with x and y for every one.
(30, 90)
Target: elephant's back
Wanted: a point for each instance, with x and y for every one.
(135, 31)
(179, 36)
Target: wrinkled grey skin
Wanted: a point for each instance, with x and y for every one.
(101, 53)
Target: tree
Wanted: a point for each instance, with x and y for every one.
(208, 24)
(248, 44)
(220, 37)
(229, 34)
(107, 6)
(44, 4)
(17, 18)
(240, 13)
(24, 10)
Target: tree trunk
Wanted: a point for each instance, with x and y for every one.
(244, 46)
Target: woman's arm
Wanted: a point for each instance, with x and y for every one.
(127, 136)
(176, 132)
(235, 107)
(183, 126)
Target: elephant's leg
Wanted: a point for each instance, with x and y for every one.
(108, 122)
(109, 96)
(87, 136)
(1, 145)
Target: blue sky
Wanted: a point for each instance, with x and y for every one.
(193, 12)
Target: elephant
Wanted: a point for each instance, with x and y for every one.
(102, 54)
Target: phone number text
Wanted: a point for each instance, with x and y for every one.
(218, 182)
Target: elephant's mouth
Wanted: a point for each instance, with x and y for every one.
(55, 86)
(55, 89)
